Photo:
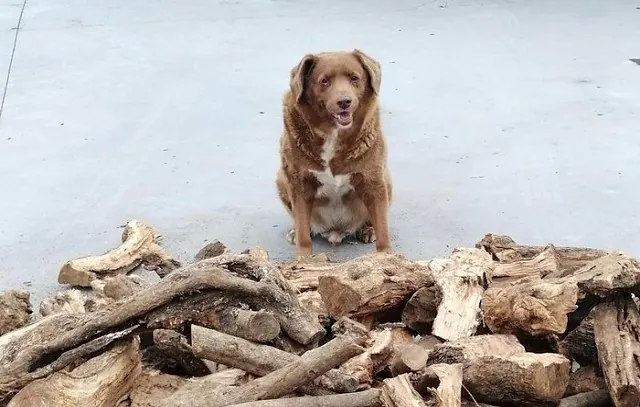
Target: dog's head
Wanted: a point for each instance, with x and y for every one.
(335, 85)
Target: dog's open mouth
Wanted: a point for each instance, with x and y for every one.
(343, 119)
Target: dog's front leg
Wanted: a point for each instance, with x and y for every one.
(302, 224)
(374, 194)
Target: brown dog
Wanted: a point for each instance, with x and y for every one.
(333, 178)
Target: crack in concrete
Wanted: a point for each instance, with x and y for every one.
(13, 52)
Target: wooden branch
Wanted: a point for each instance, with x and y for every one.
(596, 398)
(69, 301)
(528, 379)
(546, 263)
(15, 310)
(531, 305)
(461, 280)
(398, 392)
(261, 360)
(367, 398)
(422, 308)
(139, 243)
(466, 350)
(505, 250)
(100, 381)
(449, 391)
(175, 346)
(617, 334)
(312, 302)
(278, 383)
(372, 283)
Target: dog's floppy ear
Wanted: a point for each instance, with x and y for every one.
(299, 75)
(373, 69)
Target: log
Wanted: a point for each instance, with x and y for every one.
(528, 379)
(611, 273)
(412, 359)
(349, 327)
(371, 284)
(100, 381)
(69, 301)
(211, 250)
(261, 360)
(398, 392)
(15, 310)
(596, 398)
(367, 398)
(64, 343)
(449, 390)
(584, 380)
(312, 302)
(176, 346)
(461, 280)
(303, 274)
(616, 329)
(531, 305)
(546, 263)
(139, 242)
(467, 350)
(123, 286)
(580, 343)
(276, 384)
(505, 250)
(151, 388)
(422, 308)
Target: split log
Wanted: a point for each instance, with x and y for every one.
(278, 383)
(613, 272)
(139, 243)
(15, 310)
(261, 360)
(372, 283)
(505, 250)
(449, 390)
(422, 308)
(398, 392)
(367, 398)
(69, 301)
(210, 250)
(580, 344)
(312, 302)
(100, 381)
(584, 380)
(546, 263)
(303, 274)
(466, 350)
(461, 280)
(530, 305)
(64, 343)
(616, 329)
(596, 398)
(528, 379)
(412, 359)
(176, 346)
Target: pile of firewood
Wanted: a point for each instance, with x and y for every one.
(501, 324)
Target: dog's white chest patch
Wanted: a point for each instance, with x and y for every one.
(331, 186)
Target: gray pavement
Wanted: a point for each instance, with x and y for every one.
(516, 117)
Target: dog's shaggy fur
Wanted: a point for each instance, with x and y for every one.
(333, 178)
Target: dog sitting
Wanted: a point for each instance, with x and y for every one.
(333, 179)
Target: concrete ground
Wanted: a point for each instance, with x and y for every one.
(516, 117)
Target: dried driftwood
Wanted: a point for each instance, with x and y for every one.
(15, 310)
(139, 244)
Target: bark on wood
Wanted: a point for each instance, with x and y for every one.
(100, 381)
(15, 310)
(123, 286)
(461, 280)
(151, 388)
(349, 327)
(210, 250)
(585, 379)
(505, 250)
(398, 392)
(69, 301)
(412, 359)
(466, 350)
(527, 379)
(547, 263)
(278, 383)
(367, 398)
(531, 305)
(371, 284)
(312, 302)
(617, 334)
(580, 344)
(139, 243)
(261, 360)
(449, 390)
(19, 362)
(303, 274)
(613, 272)
(596, 398)
(176, 346)
(422, 308)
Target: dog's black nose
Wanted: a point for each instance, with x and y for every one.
(344, 102)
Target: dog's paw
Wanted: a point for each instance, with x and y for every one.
(366, 234)
(291, 236)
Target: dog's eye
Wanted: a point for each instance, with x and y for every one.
(324, 82)
(354, 78)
